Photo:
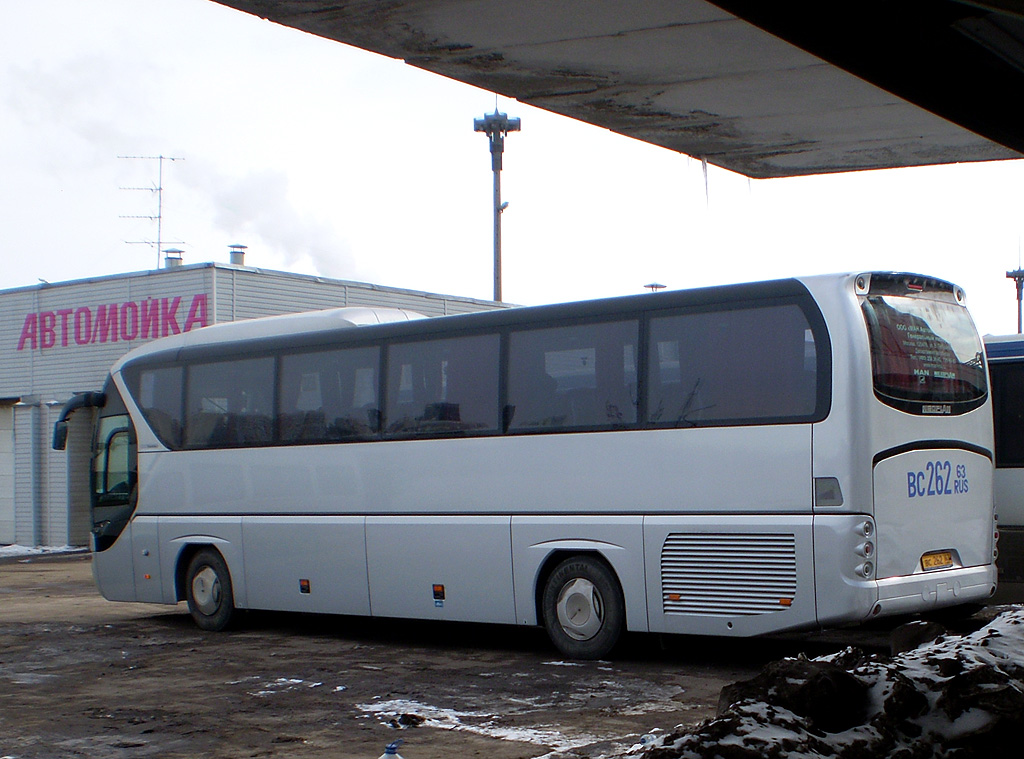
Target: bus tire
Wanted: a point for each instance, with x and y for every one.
(208, 590)
(583, 608)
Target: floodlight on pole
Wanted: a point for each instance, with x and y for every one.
(496, 126)
(1017, 276)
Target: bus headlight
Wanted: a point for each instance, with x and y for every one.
(865, 528)
(867, 569)
(867, 548)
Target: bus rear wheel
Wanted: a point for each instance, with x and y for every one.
(208, 591)
(583, 609)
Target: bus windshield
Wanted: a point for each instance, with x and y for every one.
(926, 356)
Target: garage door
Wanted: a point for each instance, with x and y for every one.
(6, 474)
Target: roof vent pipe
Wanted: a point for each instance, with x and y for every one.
(238, 254)
(172, 258)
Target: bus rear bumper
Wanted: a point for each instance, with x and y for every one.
(919, 593)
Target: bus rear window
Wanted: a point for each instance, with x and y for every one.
(926, 356)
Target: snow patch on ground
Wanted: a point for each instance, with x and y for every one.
(957, 696)
(401, 713)
(17, 552)
(282, 685)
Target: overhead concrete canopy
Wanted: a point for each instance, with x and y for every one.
(766, 89)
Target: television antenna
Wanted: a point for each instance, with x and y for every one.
(159, 191)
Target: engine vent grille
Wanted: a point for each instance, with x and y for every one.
(728, 573)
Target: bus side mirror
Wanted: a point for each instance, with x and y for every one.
(77, 401)
(60, 435)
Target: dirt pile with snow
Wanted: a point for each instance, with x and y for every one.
(957, 697)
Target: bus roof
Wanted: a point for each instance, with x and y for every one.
(313, 327)
(273, 326)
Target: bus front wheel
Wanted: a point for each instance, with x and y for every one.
(208, 590)
(583, 609)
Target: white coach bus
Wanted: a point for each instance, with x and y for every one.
(1006, 369)
(734, 461)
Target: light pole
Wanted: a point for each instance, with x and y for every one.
(496, 126)
(1018, 277)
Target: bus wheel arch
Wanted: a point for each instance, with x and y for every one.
(204, 581)
(185, 556)
(581, 603)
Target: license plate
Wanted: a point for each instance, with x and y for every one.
(937, 560)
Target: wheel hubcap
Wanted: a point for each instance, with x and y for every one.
(580, 609)
(206, 590)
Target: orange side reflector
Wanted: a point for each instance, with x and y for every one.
(674, 597)
(786, 601)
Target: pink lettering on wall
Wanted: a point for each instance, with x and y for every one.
(111, 322)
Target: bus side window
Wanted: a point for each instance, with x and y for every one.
(230, 403)
(1008, 409)
(443, 386)
(329, 396)
(731, 366)
(582, 376)
(159, 394)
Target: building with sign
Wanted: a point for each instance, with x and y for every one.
(59, 339)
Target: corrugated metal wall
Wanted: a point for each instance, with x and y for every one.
(249, 293)
(53, 341)
(57, 515)
(6, 473)
(59, 339)
(41, 513)
(27, 476)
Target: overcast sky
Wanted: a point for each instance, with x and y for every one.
(328, 160)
